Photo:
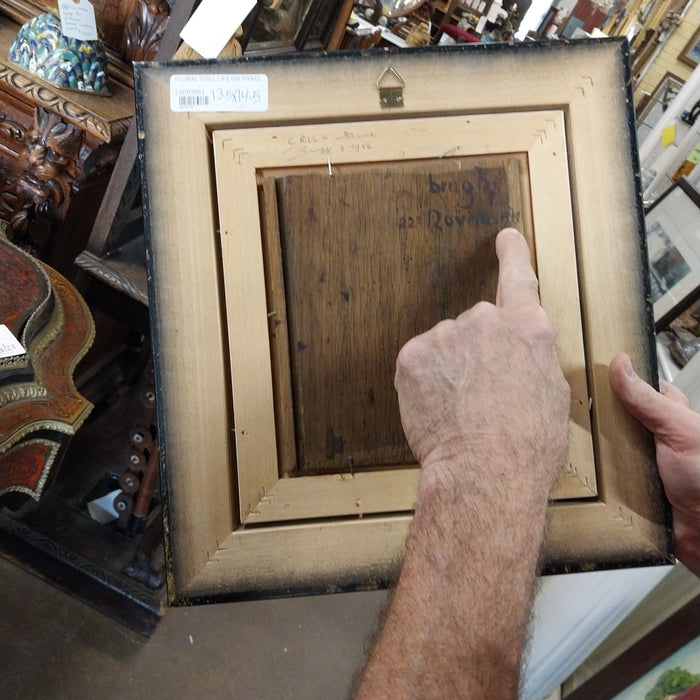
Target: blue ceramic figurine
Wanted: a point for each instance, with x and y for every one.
(68, 63)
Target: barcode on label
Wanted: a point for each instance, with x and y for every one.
(193, 100)
(219, 92)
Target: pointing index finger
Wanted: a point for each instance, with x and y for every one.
(517, 282)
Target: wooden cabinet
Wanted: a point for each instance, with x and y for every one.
(58, 147)
(57, 152)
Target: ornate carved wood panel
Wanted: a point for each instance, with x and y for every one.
(40, 408)
(56, 151)
(130, 29)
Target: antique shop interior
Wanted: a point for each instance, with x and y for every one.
(140, 364)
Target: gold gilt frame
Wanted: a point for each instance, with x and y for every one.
(226, 188)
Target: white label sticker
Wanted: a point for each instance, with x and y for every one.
(77, 19)
(213, 23)
(9, 345)
(218, 93)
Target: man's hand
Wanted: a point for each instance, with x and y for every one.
(485, 407)
(490, 380)
(676, 429)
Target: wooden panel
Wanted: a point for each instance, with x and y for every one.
(373, 257)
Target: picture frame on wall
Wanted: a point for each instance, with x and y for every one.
(668, 655)
(677, 344)
(283, 285)
(653, 105)
(691, 51)
(673, 240)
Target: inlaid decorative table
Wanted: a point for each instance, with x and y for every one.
(40, 408)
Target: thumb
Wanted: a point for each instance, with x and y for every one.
(652, 409)
(673, 392)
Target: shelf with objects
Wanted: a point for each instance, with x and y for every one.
(401, 23)
(96, 528)
(115, 251)
(466, 21)
(57, 147)
(424, 22)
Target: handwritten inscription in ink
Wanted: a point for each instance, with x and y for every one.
(324, 144)
(439, 219)
(477, 197)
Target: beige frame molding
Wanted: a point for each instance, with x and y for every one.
(240, 155)
(234, 528)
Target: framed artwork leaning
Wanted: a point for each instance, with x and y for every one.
(664, 663)
(673, 239)
(691, 51)
(653, 105)
(306, 215)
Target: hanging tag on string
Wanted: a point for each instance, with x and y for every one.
(78, 19)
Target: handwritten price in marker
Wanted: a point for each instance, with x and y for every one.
(238, 96)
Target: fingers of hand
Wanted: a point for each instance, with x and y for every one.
(517, 282)
(638, 397)
(667, 415)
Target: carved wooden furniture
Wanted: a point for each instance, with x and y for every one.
(285, 281)
(57, 147)
(115, 250)
(130, 29)
(116, 571)
(40, 408)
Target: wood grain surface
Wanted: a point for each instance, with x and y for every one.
(373, 255)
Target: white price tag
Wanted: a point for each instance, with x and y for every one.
(9, 345)
(77, 19)
(218, 93)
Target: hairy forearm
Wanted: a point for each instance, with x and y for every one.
(484, 405)
(457, 623)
